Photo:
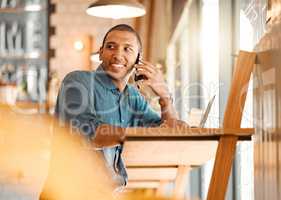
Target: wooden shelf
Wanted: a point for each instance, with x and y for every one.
(24, 56)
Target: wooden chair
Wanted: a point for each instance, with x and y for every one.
(168, 148)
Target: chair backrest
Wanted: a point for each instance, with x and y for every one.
(238, 91)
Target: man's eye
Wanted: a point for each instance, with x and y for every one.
(128, 49)
(109, 46)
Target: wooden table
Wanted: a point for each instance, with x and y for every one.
(160, 155)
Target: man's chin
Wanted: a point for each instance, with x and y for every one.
(116, 76)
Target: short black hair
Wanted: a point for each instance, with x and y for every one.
(124, 27)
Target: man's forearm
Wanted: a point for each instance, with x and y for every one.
(168, 110)
(107, 135)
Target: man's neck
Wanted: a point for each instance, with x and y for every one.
(120, 84)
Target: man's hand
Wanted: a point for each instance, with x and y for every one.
(107, 135)
(153, 78)
(174, 123)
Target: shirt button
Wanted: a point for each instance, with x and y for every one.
(122, 120)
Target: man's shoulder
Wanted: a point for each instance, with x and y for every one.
(78, 75)
(132, 90)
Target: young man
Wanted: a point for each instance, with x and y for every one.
(100, 104)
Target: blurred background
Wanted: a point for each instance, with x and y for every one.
(196, 43)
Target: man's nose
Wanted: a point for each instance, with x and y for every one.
(118, 53)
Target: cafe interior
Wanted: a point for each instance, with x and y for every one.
(221, 61)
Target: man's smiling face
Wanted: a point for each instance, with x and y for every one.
(119, 53)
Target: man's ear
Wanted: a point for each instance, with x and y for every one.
(100, 53)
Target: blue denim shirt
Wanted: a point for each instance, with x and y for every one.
(88, 99)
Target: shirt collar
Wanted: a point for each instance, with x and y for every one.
(104, 79)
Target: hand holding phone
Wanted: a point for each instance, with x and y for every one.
(138, 77)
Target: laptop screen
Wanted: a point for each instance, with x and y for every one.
(206, 113)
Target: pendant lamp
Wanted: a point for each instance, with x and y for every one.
(116, 9)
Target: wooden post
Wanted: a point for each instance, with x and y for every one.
(160, 192)
(180, 182)
(222, 167)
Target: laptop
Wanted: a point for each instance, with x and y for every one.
(206, 113)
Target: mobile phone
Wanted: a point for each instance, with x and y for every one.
(139, 77)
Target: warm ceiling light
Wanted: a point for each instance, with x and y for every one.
(78, 45)
(116, 9)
